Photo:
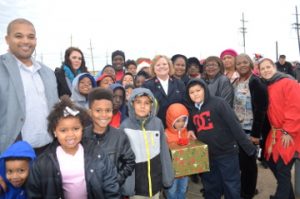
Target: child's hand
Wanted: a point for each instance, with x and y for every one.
(3, 187)
(191, 135)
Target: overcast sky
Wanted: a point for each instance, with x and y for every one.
(144, 28)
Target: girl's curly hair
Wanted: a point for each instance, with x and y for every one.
(57, 113)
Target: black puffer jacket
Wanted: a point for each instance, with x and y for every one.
(115, 143)
(45, 178)
(62, 85)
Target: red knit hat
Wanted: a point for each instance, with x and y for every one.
(228, 51)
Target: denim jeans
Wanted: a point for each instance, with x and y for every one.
(223, 178)
(178, 189)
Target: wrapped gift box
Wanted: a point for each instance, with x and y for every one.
(189, 159)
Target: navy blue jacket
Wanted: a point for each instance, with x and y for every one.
(176, 94)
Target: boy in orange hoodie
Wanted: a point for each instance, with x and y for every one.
(176, 131)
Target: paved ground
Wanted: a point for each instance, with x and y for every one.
(266, 185)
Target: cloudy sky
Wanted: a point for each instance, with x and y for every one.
(144, 28)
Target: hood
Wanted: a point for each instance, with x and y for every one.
(76, 96)
(20, 149)
(138, 92)
(115, 86)
(200, 82)
(174, 112)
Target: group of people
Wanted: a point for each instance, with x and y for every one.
(69, 134)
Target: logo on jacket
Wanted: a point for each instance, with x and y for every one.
(203, 121)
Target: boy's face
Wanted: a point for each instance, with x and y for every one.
(69, 133)
(139, 81)
(17, 171)
(128, 93)
(196, 93)
(142, 106)
(106, 81)
(118, 99)
(180, 123)
(101, 112)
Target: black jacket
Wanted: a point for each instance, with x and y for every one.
(176, 94)
(216, 124)
(45, 180)
(259, 102)
(62, 85)
(115, 143)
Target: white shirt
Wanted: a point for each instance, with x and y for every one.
(34, 130)
(164, 84)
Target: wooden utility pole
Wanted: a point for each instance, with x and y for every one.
(297, 26)
(243, 31)
(276, 48)
(71, 40)
(92, 57)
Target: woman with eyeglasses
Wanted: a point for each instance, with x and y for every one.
(218, 84)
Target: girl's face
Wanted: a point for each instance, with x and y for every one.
(179, 67)
(243, 66)
(139, 81)
(109, 71)
(106, 81)
(180, 123)
(85, 86)
(132, 69)
(212, 69)
(196, 93)
(162, 68)
(267, 69)
(228, 61)
(128, 79)
(69, 133)
(75, 59)
(193, 70)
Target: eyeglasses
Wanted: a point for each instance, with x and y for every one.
(211, 65)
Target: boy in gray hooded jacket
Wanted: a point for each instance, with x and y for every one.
(153, 169)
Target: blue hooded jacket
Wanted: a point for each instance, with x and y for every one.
(20, 149)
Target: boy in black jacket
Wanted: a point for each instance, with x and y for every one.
(216, 125)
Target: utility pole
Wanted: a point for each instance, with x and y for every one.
(297, 26)
(243, 31)
(71, 40)
(106, 56)
(92, 57)
(276, 48)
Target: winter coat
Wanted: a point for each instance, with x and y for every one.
(176, 94)
(153, 169)
(63, 86)
(20, 149)
(175, 112)
(216, 124)
(221, 86)
(114, 142)
(45, 179)
(283, 113)
(76, 97)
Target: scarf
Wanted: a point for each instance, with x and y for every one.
(276, 77)
(69, 73)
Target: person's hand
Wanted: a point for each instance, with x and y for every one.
(191, 135)
(286, 140)
(3, 186)
(254, 140)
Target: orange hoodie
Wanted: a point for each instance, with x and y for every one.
(174, 112)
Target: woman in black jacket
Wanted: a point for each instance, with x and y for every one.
(165, 88)
(250, 105)
(73, 65)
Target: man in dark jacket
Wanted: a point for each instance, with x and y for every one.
(285, 66)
